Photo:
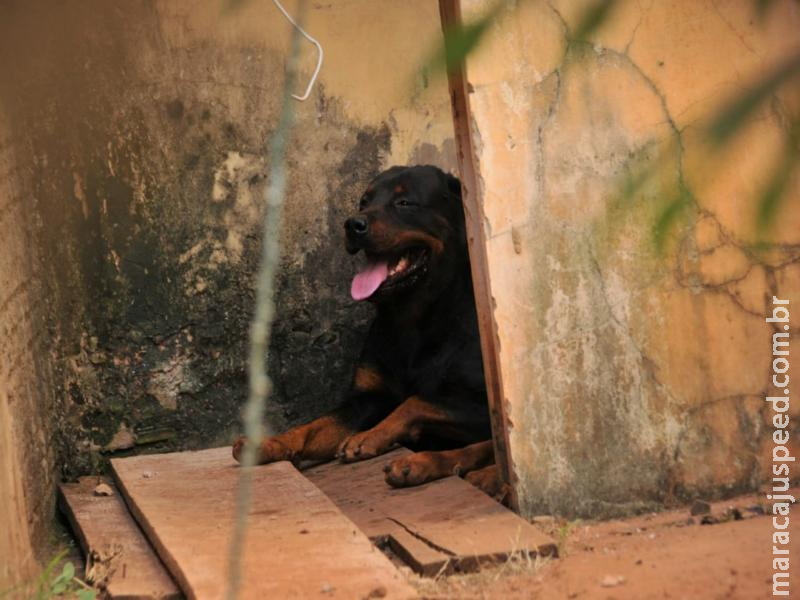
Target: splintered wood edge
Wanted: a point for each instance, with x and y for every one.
(169, 562)
(170, 591)
(428, 561)
(66, 509)
(422, 558)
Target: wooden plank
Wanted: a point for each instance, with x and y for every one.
(298, 544)
(468, 168)
(443, 526)
(117, 553)
(417, 554)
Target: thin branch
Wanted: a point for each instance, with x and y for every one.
(261, 325)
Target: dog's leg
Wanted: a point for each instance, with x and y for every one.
(319, 440)
(404, 424)
(422, 467)
(488, 480)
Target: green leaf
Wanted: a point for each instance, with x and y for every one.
(460, 40)
(735, 114)
(763, 7)
(51, 566)
(592, 18)
(668, 215)
(68, 572)
(86, 595)
(59, 587)
(774, 192)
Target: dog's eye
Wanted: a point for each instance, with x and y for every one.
(404, 202)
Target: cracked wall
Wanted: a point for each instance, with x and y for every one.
(133, 152)
(632, 379)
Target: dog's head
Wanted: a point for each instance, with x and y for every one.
(410, 225)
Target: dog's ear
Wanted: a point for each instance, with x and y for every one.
(453, 185)
(454, 192)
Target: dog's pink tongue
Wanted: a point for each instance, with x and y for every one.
(369, 279)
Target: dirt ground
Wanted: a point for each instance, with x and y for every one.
(663, 555)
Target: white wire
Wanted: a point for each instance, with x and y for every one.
(320, 54)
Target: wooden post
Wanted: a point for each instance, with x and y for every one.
(450, 11)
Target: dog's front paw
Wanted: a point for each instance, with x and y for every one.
(270, 450)
(364, 445)
(415, 469)
(238, 448)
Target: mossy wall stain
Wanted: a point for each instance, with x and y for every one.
(138, 132)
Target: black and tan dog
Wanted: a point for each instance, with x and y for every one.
(419, 381)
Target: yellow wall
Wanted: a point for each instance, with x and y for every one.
(632, 378)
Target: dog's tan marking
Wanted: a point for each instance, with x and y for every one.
(408, 238)
(368, 379)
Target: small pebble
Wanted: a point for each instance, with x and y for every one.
(709, 520)
(612, 580)
(103, 489)
(544, 520)
(734, 513)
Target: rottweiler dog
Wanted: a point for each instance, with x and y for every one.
(419, 380)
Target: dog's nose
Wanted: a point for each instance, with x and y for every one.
(356, 225)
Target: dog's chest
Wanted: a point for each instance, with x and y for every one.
(436, 367)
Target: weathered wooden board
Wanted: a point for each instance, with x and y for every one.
(117, 553)
(298, 545)
(443, 526)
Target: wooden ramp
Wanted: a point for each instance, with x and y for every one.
(440, 527)
(298, 545)
(117, 554)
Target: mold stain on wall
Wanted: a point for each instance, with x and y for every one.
(135, 141)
